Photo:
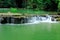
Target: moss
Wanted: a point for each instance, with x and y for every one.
(58, 19)
(14, 10)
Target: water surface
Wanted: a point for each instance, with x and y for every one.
(41, 31)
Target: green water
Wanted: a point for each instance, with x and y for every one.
(41, 31)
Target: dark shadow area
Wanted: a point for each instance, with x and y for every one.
(19, 3)
(51, 7)
(12, 3)
(4, 21)
(10, 20)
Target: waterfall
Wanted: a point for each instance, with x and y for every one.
(12, 20)
(36, 19)
(1, 19)
(31, 19)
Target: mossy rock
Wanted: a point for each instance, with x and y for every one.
(58, 19)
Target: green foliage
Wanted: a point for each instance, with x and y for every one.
(6, 3)
(32, 4)
(43, 4)
(14, 10)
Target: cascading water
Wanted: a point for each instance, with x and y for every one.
(1, 19)
(38, 19)
(33, 19)
(28, 20)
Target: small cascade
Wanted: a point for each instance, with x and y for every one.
(23, 20)
(12, 20)
(33, 19)
(1, 19)
(36, 19)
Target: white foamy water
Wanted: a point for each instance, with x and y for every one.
(38, 19)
